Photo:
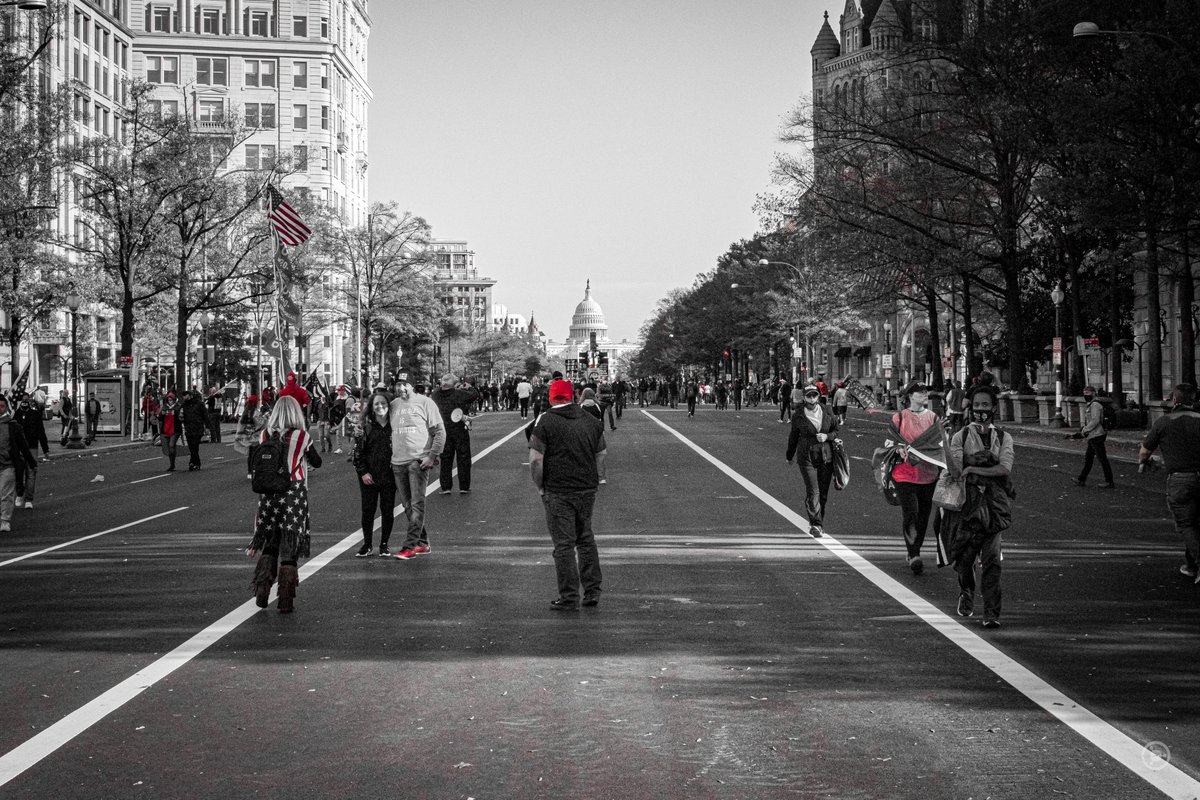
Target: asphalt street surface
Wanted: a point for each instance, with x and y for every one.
(731, 656)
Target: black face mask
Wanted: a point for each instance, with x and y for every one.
(982, 417)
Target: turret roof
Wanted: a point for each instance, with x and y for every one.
(827, 41)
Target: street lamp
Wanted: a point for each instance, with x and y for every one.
(1090, 30)
(1126, 343)
(1057, 296)
(73, 303)
(26, 5)
(887, 342)
(205, 320)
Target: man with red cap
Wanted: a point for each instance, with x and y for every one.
(563, 452)
(294, 389)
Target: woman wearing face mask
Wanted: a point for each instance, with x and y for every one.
(915, 477)
(810, 442)
(376, 481)
(983, 454)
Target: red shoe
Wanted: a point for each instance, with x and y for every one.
(406, 554)
(421, 550)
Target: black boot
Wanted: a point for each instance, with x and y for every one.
(289, 579)
(264, 579)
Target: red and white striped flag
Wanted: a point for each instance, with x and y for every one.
(286, 222)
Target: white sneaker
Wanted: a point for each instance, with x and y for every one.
(5, 527)
(338, 451)
(20, 502)
(28, 504)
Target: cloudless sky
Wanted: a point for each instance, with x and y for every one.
(623, 141)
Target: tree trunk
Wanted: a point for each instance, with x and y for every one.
(127, 321)
(1075, 379)
(973, 366)
(935, 337)
(181, 329)
(1114, 328)
(1014, 319)
(1187, 296)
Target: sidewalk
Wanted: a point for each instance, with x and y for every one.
(110, 442)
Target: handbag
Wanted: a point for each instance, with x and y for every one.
(950, 493)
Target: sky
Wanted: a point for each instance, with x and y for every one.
(621, 141)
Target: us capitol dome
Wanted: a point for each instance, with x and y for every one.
(587, 320)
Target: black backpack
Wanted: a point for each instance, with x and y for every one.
(269, 472)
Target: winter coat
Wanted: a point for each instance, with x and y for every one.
(194, 417)
(802, 439)
(373, 452)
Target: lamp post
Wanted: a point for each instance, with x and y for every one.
(206, 320)
(887, 341)
(1056, 296)
(74, 442)
(26, 5)
(1126, 343)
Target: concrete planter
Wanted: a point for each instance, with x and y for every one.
(1006, 408)
(1025, 409)
(1046, 409)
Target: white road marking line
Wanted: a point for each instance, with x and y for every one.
(1121, 748)
(92, 536)
(19, 759)
(151, 478)
(144, 460)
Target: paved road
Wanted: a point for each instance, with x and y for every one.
(732, 656)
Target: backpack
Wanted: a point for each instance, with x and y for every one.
(269, 472)
(1110, 416)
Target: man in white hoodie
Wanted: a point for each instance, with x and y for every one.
(418, 437)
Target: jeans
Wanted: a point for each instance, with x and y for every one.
(576, 559)
(458, 446)
(26, 481)
(1095, 450)
(989, 555)
(817, 478)
(168, 447)
(8, 493)
(524, 407)
(785, 409)
(411, 481)
(193, 445)
(916, 503)
(1183, 498)
(382, 495)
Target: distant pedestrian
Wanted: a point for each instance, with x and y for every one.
(13, 451)
(692, 390)
(563, 453)
(785, 400)
(418, 438)
(212, 408)
(376, 481)
(170, 427)
(917, 431)
(955, 397)
(66, 411)
(524, 393)
(33, 424)
(292, 388)
(93, 412)
(810, 442)
(841, 398)
(1178, 434)
(195, 422)
(281, 526)
(982, 455)
(454, 404)
(1093, 430)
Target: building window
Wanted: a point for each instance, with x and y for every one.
(210, 111)
(160, 20)
(324, 76)
(324, 27)
(163, 108)
(300, 117)
(211, 72)
(300, 27)
(300, 74)
(300, 156)
(260, 115)
(324, 118)
(258, 23)
(260, 156)
(209, 21)
(325, 158)
(159, 69)
(260, 73)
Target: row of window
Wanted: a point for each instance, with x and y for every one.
(102, 40)
(215, 22)
(215, 72)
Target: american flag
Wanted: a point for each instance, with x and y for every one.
(286, 222)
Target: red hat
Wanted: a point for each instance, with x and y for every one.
(561, 392)
(291, 377)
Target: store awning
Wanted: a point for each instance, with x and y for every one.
(863, 352)
(843, 352)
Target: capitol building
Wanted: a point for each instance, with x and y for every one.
(589, 332)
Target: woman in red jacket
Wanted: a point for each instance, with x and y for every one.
(915, 478)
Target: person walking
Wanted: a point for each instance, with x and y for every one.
(66, 411)
(810, 442)
(170, 427)
(916, 430)
(212, 408)
(418, 437)
(281, 526)
(33, 425)
(608, 399)
(454, 404)
(1178, 434)
(1093, 430)
(955, 396)
(785, 400)
(376, 481)
(92, 411)
(841, 397)
(563, 453)
(29, 420)
(982, 455)
(13, 451)
(524, 392)
(692, 390)
(195, 422)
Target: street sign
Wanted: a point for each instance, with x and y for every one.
(886, 360)
(1058, 344)
(124, 361)
(1089, 344)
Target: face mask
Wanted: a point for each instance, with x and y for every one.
(1089, 398)
(811, 399)
(982, 417)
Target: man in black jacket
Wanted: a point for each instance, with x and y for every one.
(563, 453)
(455, 406)
(810, 442)
(13, 451)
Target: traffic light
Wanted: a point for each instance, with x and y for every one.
(726, 353)
(602, 359)
(583, 357)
